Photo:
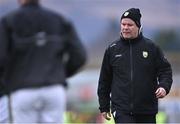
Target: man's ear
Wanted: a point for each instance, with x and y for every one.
(140, 29)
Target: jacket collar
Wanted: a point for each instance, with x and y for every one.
(135, 40)
(30, 4)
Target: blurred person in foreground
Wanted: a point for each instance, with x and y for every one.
(39, 49)
(134, 75)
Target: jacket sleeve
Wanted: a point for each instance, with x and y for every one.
(4, 40)
(104, 86)
(164, 71)
(75, 51)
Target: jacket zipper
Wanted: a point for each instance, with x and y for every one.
(131, 74)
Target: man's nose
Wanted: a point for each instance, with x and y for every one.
(126, 26)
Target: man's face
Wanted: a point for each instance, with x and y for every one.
(129, 29)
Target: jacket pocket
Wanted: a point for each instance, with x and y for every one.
(118, 62)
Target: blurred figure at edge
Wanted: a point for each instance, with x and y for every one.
(39, 49)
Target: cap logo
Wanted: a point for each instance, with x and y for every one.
(145, 54)
(126, 13)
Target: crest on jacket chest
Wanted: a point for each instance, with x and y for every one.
(145, 54)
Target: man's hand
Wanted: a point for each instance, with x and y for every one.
(106, 115)
(160, 92)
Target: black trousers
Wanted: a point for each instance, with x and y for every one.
(120, 117)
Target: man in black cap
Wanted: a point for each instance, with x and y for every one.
(39, 50)
(134, 75)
